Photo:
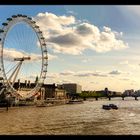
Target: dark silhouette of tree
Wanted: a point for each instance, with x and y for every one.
(36, 80)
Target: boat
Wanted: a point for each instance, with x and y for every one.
(110, 106)
(113, 106)
(75, 102)
(106, 107)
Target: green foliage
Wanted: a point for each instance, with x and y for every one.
(90, 94)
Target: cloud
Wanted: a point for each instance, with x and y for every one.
(51, 21)
(133, 83)
(51, 57)
(10, 53)
(83, 73)
(71, 12)
(52, 75)
(66, 81)
(65, 34)
(87, 74)
(115, 72)
(85, 29)
(67, 73)
(86, 60)
(67, 39)
(125, 79)
(94, 82)
(90, 73)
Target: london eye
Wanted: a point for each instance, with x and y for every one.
(23, 55)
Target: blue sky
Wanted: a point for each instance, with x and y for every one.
(95, 46)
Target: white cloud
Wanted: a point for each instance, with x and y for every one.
(65, 40)
(52, 75)
(86, 29)
(90, 73)
(64, 34)
(10, 53)
(115, 72)
(51, 57)
(71, 12)
(82, 73)
(67, 73)
(86, 60)
(94, 82)
(51, 21)
(125, 79)
(107, 29)
(66, 81)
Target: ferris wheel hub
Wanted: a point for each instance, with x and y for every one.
(22, 58)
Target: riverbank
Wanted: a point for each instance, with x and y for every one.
(47, 103)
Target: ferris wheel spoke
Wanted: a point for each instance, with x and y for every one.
(31, 71)
(11, 68)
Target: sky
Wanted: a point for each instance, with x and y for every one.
(96, 46)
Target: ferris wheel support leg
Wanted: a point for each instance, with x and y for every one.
(15, 72)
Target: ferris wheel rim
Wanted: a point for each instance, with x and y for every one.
(4, 31)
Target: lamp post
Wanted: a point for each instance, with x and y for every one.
(7, 100)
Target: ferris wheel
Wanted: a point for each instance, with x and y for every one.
(23, 55)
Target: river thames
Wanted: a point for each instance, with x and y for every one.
(73, 119)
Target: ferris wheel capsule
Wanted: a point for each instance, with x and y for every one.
(14, 16)
(9, 19)
(1, 31)
(4, 24)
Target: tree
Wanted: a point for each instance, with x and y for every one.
(36, 80)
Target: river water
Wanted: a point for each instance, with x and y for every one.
(73, 119)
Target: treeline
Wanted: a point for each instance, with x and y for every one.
(94, 94)
(87, 94)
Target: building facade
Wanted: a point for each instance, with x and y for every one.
(72, 88)
(50, 90)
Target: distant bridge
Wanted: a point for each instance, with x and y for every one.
(110, 97)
